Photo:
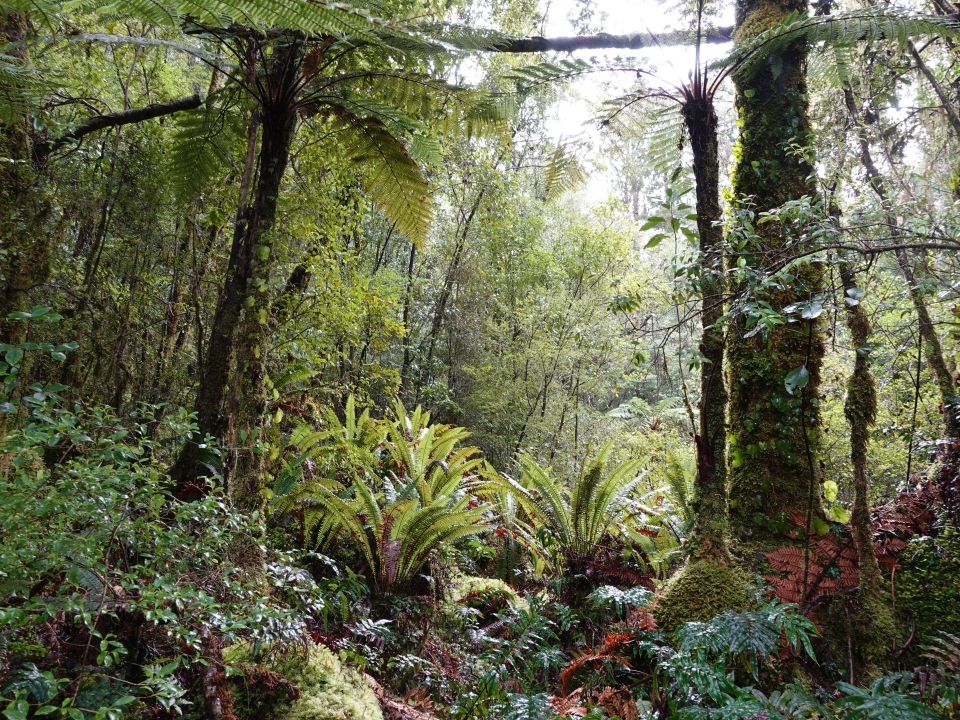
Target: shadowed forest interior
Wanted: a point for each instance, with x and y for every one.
(404, 360)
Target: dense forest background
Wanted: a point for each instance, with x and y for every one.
(337, 383)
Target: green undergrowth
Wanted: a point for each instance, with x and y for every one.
(927, 587)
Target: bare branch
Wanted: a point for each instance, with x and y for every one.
(604, 41)
(42, 151)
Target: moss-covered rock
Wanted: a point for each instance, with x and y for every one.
(480, 592)
(699, 591)
(328, 690)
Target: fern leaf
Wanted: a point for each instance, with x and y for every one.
(206, 142)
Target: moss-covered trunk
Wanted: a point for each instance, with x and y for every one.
(928, 332)
(24, 261)
(709, 583)
(860, 408)
(279, 118)
(772, 459)
(932, 348)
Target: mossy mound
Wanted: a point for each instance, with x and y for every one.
(481, 592)
(699, 591)
(328, 690)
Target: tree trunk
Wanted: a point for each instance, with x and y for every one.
(773, 465)
(933, 349)
(928, 331)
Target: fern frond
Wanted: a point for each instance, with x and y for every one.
(20, 87)
(387, 171)
(530, 76)
(841, 29)
(206, 142)
(460, 37)
(315, 17)
(563, 172)
(653, 119)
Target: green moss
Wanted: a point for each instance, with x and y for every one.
(485, 589)
(699, 591)
(759, 21)
(328, 690)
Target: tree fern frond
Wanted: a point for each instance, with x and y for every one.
(489, 111)
(841, 29)
(195, 50)
(460, 37)
(832, 66)
(563, 172)
(388, 172)
(653, 119)
(545, 73)
(315, 17)
(20, 87)
(207, 141)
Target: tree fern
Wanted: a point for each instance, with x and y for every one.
(838, 30)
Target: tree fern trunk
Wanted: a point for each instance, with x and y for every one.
(772, 458)
(278, 125)
(240, 325)
(710, 499)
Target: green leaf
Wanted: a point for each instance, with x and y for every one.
(655, 240)
(839, 514)
(796, 379)
(854, 295)
(820, 527)
(13, 356)
(812, 310)
(652, 222)
(830, 490)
